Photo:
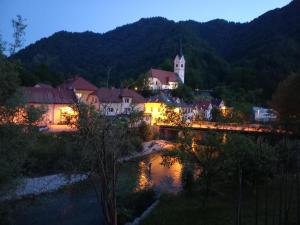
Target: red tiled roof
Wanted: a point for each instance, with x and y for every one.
(48, 95)
(42, 85)
(203, 104)
(164, 76)
(113, 95)
(78, 83)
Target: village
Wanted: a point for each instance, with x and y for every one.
(58, 102)
(149, 113)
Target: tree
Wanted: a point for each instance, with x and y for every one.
(246, 162)
(209, 156)
(184, 92)
(173, 116)
(15, 138)
(103, 139)
(286, 101)
(19, 27)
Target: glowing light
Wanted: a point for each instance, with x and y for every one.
(67, 110)
(158, 175)
(78, 95)
(177, 110)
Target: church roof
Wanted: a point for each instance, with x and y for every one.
(163, 76)
(78, 83)
(114, 95)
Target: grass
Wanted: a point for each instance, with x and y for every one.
(186, 209)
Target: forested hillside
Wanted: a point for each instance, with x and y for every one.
(254, 55)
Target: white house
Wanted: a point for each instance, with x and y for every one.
(264, 114)
(204, 108)
(112, 101)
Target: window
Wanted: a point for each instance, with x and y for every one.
(126, 100)
(176, 65)
(181, 65)
(127, 110)
(110, 110)
(78, 95)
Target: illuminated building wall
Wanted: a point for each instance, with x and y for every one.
(156, 110)
(55, 113)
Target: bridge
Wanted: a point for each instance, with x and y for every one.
(199, 125)
(235, 127)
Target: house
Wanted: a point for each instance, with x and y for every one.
(81, 87)
(189, 112)
(56, 102)
(167, 80)
(264, 114)
(162, 80)
(204, 109)
(155, 108)
(218, 103)
(113, 101)
(158, 105)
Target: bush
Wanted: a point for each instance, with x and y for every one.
(52, 153)
(134, 205)
(145, 132)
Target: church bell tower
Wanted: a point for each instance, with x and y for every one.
(179, 64)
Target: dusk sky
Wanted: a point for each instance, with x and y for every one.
(44, 17)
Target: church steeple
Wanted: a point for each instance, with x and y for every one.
(179, 63)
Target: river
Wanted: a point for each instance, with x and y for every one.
(78, 205)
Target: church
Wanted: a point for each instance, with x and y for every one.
(166, 80)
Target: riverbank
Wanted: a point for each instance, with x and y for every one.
(27, 187)
(39, 185)
(150, 147)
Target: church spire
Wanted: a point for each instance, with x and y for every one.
(179, 63)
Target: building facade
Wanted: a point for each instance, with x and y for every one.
(113, 101)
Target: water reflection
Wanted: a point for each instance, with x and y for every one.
(159, 177)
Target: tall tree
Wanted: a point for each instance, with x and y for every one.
(103, 140)
(286, 101)
(19, 27)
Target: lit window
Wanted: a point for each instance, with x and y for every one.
(78, 95)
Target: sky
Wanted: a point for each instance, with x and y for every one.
(45, 17)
